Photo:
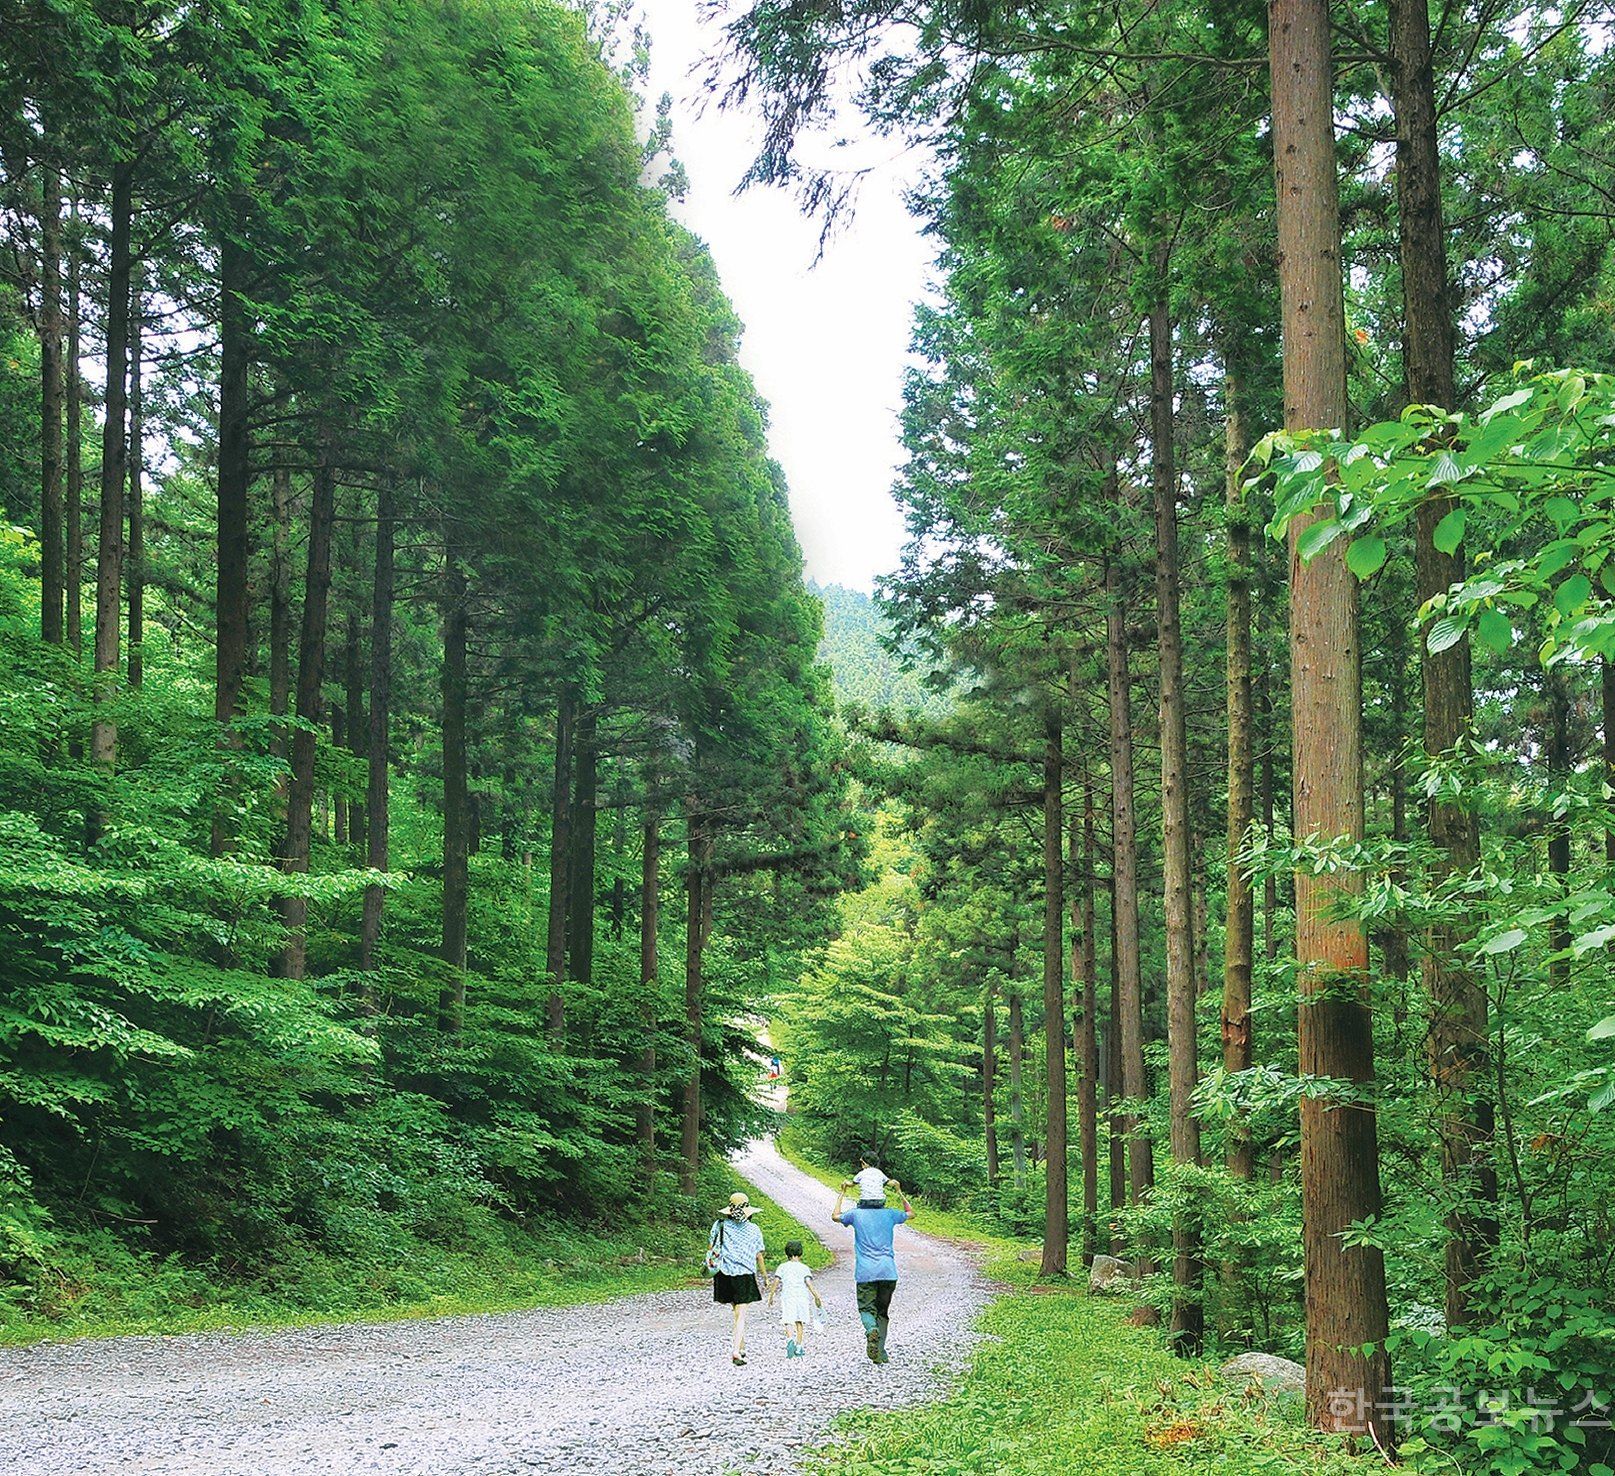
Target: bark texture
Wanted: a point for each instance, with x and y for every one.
(989, 1082)
(456, 795)
(358, 728)
(234, 475)
(135, 565)
(52, 580)
(1056, 1198)
(310, 676)
(1459, 1033)
(232, 600)
(1240, 936)
(585, 827)
(1345, 1285)
(114, 466)
(280, 605)
(1128, 1021)
(560, 861)
(1187, 1323)
(697, 882)
(378, 776)
(650, 895)
(73, 459)
(1083, 968)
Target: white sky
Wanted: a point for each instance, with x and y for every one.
(825, 344)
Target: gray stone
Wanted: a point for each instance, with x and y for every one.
(1109, 1274)
(1269, 1372)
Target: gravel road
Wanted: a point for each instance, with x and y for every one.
(640, 1385)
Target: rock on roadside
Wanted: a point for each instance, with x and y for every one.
(1109, 1274)
(1275, 1375)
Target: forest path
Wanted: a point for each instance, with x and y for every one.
(642, 1384)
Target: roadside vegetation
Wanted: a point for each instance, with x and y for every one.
(103, 1288)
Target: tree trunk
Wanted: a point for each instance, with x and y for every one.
(310, 675)
(696, 883)
(650, 882)
(618, 915)
(1270, 883)
(560, 860)
(135, 570)
(114, 467)
(1187, 1320)
(456, 799)
(52, 579)
(73, 571)
(1086, 1045)
(1117, 1147)
(1202, 913)
(1459, 1030)
(1056, 1201)
(1124, 863)
(1017, 1104)
(1430, 330)
(989, 1079)
(1398, 957)
(1345, 1285)
(585, 826)
(280, 608)
(339, 802)
(231, 592)
(381, 696)
(358, 729)
(1240, 939)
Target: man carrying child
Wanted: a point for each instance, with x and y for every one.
(874, 1262)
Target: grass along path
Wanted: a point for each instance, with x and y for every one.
(1062, 1383)
(103, 1290)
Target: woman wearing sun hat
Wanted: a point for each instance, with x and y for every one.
(735, 1259)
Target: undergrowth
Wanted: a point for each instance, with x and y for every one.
(99, 1286)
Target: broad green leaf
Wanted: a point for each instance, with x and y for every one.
(1445, 470)
(1562, 510)
(1365, 556)
(1504, 942)
(1603, 1030)
(1494, 630)
(1511, 401)
(1449, 532)
(1445, 633)
(1317, 538)
(1556, 556)
(1597, 938)
(1572, 594)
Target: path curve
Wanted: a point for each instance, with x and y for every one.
(638, 1385)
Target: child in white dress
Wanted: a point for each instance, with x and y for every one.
(797, 1298)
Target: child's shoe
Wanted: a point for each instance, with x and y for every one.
(791, 1350)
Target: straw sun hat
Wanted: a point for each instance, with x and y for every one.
(739, 1207)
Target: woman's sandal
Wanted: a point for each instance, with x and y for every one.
(738, 1359)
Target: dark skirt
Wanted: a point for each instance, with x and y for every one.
(735, 1291)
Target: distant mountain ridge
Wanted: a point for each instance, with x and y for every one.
(863, 671)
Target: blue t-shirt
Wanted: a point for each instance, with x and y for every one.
(872, 1241)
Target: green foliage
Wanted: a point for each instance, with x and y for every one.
(869, 674)
(1540, 1359)
(99, 1286)
(429, 237)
